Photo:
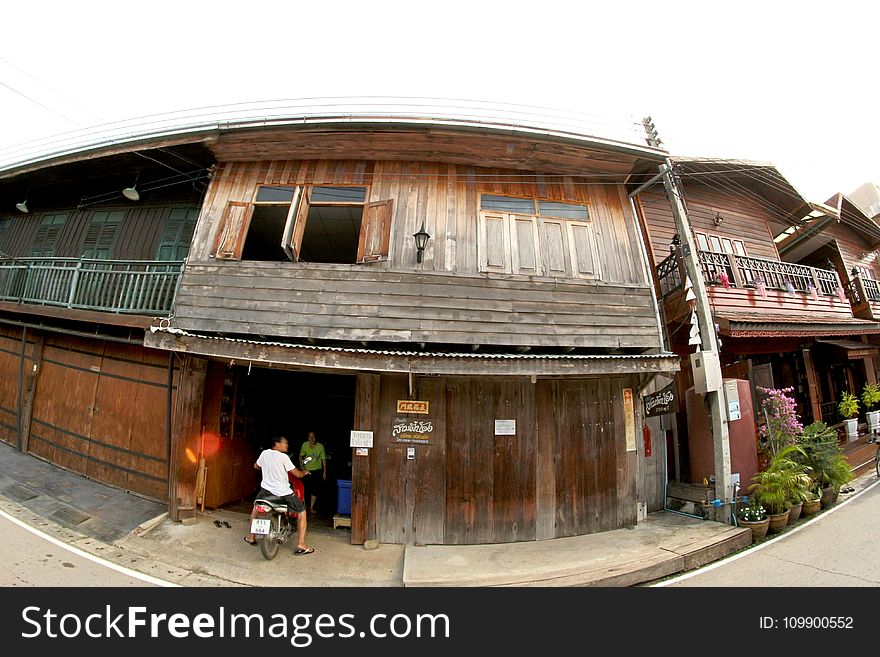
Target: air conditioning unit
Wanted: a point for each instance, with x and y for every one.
(706, 367)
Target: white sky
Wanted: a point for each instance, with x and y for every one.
(793, 83)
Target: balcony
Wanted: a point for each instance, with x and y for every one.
(118, 286)
(744, 272)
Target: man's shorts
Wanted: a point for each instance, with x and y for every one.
(292, 501)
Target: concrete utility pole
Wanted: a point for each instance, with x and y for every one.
(708, 354)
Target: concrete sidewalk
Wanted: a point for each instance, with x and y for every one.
(137, 534)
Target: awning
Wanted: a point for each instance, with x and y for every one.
(765, 325)
(851, 349)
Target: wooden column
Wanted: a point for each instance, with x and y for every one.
(812, 385)
(870, 373)
(31, 374)
(363, 468)
(185, 437)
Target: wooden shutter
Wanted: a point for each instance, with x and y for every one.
(524, 253)
(177, 234)
(232, 230)
(296, 223)
(98, 240)
(375, 231)
(555, 251)
(290, 226)
(47, 235)
(582, 249)
(494, 242)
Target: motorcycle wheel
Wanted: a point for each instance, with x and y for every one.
(268, 547)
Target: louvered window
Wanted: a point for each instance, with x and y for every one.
(46, 239)
(101, 234)
(177, 234)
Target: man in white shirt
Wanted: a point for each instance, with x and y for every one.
(274, 463)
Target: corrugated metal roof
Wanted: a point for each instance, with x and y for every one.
(422, 354)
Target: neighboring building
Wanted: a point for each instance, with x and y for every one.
(785, 308)
(499, 369)
(83, 272)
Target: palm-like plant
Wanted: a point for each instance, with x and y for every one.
(849, 405)
(871, 395)
(783, 478)
(821, 451)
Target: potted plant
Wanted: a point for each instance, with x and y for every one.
(754, 517)
(812, 505)
(774, 486)
(849, 408)
(822, 452)
(870, 398)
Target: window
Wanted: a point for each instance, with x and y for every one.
(99, 236)
(4, 231)
(46, 238)
(717, 244)
(177, 234)
(536, 237)
(331, 224)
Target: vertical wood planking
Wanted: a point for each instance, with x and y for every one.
(364, 470)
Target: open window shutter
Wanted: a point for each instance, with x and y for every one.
(524, 245)
(375, 231)
(296, 223)
(287, 243)
(494, 242)
(232, 231)
(582, 249)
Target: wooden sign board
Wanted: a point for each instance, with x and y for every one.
(412, 406)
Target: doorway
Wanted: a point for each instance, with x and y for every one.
(254, 405)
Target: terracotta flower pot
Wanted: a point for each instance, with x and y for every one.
(829, 496)
(758, 527)
(794, 512)
(778, 521)
(810, 508)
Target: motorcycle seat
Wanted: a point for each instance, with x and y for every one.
(275, 503)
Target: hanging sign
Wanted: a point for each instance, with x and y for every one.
(661, 402)
(412, 406)
(629, 419)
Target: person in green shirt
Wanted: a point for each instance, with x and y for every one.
(314, 449)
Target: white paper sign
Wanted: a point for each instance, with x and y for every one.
(361, 439)
(505, 427)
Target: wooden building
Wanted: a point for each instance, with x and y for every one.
(273, 285)
(495, 374)
(777, 270)
(83, 272)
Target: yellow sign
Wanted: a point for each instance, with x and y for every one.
(410, 406)
(629, 419)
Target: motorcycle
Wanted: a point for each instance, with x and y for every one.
(274, 524)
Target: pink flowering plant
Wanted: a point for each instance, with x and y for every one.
(780, 411)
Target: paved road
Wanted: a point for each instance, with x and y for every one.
(33, 559)
(840, 547)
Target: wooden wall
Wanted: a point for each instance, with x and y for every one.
(99, 408)
(10, 358)
(445, 197)
(445, 300)
(565, 472)
(744, 219)
(137, 238)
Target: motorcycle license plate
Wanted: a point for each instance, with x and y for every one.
(261, 525)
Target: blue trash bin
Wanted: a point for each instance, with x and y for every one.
(343, 497)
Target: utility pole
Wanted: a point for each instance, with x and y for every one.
(705, 362)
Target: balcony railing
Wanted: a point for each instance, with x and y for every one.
(119, 286)
(745, 272)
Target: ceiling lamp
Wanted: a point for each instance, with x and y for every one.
(22, 207)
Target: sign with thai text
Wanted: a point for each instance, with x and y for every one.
(412, 406)
(408, 430)
(361, 439)
(661, 402)
(505, 427)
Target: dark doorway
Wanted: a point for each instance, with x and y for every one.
(270, 403)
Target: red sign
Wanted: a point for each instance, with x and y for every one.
(410, 406)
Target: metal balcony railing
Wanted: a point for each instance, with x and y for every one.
(745, 272)
(119, 286)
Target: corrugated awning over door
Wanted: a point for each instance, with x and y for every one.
(851, 349)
